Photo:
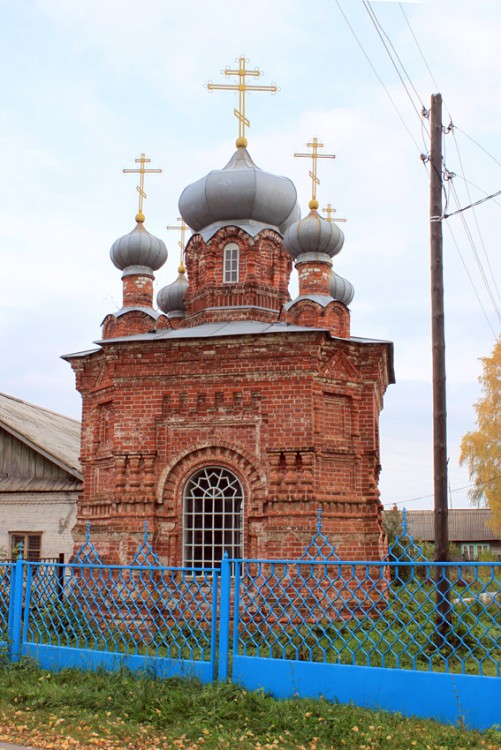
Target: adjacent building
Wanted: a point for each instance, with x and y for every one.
(40, 480)
(470, 530)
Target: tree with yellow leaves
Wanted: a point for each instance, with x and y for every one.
(481, 449)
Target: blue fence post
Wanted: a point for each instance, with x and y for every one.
(16, 611)
(224, 619)
(214, 624)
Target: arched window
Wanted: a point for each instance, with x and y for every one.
(213, 505)
(231, 263)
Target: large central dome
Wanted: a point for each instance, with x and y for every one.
(240, 194)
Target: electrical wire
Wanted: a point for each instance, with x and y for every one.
(471, 280)
(476, 256)
(377, 76)
(437, 88)
(478, 145)
(394, 57)
(476, 220)
(382, 33)
(469, 182)
(428, 497)
(473, 205)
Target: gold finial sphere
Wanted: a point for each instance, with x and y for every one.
(182, 268)
(313, 205)
(241, 142)
(140, 217)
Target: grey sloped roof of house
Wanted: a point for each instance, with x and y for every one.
(53, 435)
(465, 525)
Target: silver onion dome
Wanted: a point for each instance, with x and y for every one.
(238, 194)
(313, 234)
(138, 248)
(341, 289)
(170, 299)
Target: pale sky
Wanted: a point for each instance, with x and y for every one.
(87, 86)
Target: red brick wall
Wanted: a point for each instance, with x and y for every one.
(282, 411)
(293, 415)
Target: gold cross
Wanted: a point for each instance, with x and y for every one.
(329, 211)
(140, 188)
(242, 87)
(314, 156)
(181, 228)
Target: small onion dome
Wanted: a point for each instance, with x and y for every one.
(341, 289)
(138, 248)
(238, 194)
(170, 299)
(313, 234)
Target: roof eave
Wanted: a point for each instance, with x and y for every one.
(42, 451)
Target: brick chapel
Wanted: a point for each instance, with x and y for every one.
(228, 414)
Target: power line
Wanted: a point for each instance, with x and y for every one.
(428, 497)
(476, 221)
(377, 75)
(472, 205)
(477, 258)
(479, 145)
(419, 48)
(469, 182)
(381, 32)
(471, 280)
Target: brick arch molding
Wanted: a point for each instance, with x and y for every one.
(227, 455)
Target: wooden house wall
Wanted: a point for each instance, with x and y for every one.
(19, 460)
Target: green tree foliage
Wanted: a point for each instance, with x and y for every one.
(481, 449)
(392, 524)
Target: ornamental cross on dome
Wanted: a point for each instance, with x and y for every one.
(141, 171)
(314, 156)
(330, 214)
(242, 87)
(182, 227)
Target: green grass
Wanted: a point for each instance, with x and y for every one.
(73, 709)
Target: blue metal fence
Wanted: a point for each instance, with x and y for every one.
(156, 618)
(5, 602)
(370, 633)
(366, 632)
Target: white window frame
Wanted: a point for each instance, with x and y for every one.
(212, 517)
(473, 549)
(15, 538)
(231, 263)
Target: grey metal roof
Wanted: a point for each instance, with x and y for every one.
(313, 234)
(247, 225)
(53, 435)
(211, 330)
(231, 328)
(85, 353)
(154, 314)
(321, 299)
(238, 193)
(139, 248)
(465, 525)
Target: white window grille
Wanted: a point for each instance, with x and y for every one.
(213, 506)
(231, 263)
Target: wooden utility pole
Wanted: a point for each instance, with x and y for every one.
(438, 346)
